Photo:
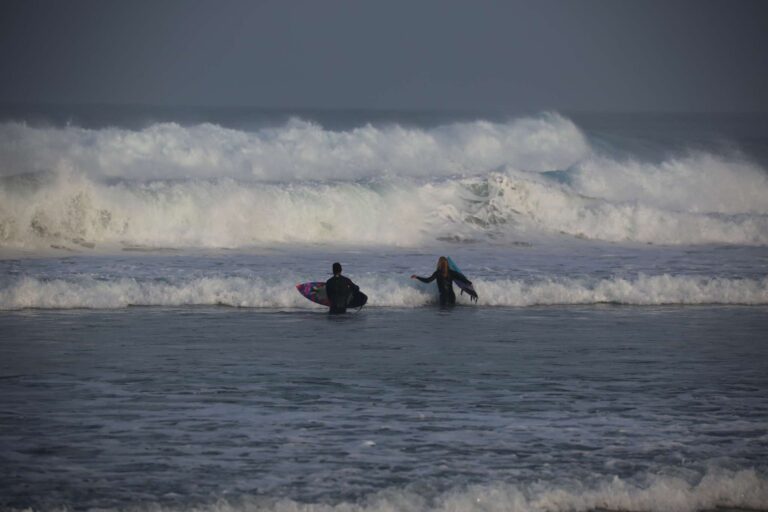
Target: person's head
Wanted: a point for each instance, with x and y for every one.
(337, 268)
(442, 265)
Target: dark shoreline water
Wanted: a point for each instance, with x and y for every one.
(183, 406)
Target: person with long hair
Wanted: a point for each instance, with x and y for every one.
(444, 276)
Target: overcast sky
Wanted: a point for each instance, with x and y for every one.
(570, 55)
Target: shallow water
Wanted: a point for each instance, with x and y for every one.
(180, 407)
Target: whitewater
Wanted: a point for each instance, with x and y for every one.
(156, 356)
(169, 185)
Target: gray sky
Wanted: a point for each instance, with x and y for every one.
(570, 55)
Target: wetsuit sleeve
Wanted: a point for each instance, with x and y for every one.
(352, 286)
(428, 279)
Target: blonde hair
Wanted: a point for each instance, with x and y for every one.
(442, 265)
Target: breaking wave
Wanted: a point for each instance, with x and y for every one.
(208, 186)
(297, 151)
(256, 292)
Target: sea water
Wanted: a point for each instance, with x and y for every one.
(155, 355)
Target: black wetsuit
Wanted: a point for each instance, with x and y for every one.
(444, 286)
(339, 289)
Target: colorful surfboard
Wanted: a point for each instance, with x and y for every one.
(315, 291)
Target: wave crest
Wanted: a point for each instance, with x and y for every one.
(255, 292)
(298, 151)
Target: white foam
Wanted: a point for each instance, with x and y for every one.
(543, 205)
(221, 213)
(207, 186)
(297, 151)
(744, 489)
(643, 290)
(396, 211)
(255, 292)
(695, 183)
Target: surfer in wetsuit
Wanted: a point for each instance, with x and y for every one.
(444, 276)
(339, 290)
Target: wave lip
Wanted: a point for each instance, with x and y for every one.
(297, 151)
(254, 292)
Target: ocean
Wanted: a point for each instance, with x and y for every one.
(156, 356)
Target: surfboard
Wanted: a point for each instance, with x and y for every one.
(461, 280)
(315, 291)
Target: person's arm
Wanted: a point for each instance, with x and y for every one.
(426, 279)
(352, 286)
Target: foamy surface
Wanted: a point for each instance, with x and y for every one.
(170, 185)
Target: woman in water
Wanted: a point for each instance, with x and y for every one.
(445, 277)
